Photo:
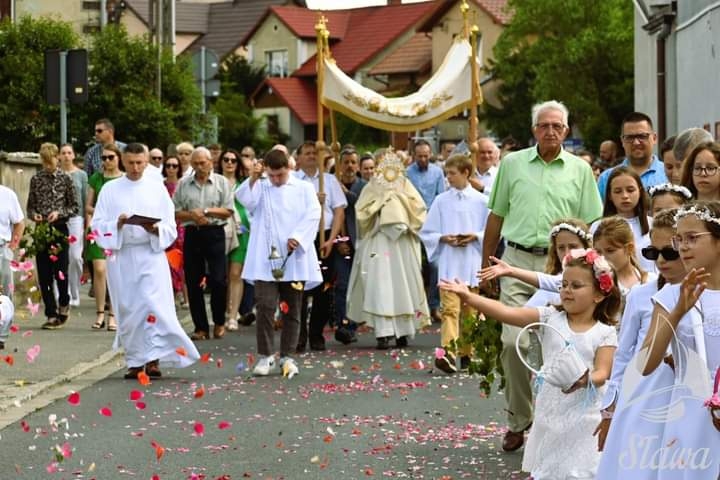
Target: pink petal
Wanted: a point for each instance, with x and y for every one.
(53, 258)
(199, 429)
(61, 275)
(440, 353)
(74, 399)
(136, 395)
(32, 353)
(52, 467)
(66, 450)
(224, 425)
(27, 334)
(14, 329)
(72, 239)
(106, 412)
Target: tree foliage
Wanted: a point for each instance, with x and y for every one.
(122, 83)
(25, 119)
(574, 51)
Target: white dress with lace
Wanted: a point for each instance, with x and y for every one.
(561, 445)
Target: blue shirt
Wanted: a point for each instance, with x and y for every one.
(429, 183)
(655, 175)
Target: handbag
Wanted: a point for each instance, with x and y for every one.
(563, 370)
(231, 232)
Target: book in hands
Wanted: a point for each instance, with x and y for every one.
(141, 220)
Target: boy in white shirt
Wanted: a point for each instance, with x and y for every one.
(453, 237)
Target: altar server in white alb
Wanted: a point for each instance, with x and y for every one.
(453, 236)
(285, 217)
(138, 271)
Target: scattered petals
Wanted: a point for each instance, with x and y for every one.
(181, 351)
(71, 239)
(136, 395)
(32, 353)
(143, 379)
(25, 426)
(14, 329)
(223, 425)
(159, 450)
(53, 258)
(199, 429)
(205, 358)
(61, 275)
(151, 318)
(9, 360)
(52, 467)
(200, 392)
(284, 308)
(33, 307)
(106, 412)
(140, 405)
(27, 334)
(440, 353)
(74, 399)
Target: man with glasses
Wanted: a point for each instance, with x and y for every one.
(156, 158)
(104, 134)
(638, 139)
(533, 188)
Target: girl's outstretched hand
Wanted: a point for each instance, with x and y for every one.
(693, 285)
(499, 269)
(454, 286)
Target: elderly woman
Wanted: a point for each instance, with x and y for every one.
(51, 201)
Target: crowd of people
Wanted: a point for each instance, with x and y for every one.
(605, 271)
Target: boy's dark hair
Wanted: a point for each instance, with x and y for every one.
(275, 160)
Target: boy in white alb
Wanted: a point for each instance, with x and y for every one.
(453, 237)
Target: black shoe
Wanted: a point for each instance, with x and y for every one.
(2, 345)
(133, 372)
(318, 346)
(446, 363)
(247, 319)
(383, 343)
(345, 335)
(52, 324)
(401, 342)
(464, 362)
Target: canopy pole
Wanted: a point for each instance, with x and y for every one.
(321, 33)
(471, 34)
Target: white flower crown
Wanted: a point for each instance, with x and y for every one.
(669, 187)
(702, 213)
(587, 236)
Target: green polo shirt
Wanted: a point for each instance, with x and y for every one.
(530, 194)
(216, 192)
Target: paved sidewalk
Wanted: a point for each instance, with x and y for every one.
(65, 355)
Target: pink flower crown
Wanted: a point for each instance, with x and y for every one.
(714, 401)
(601, 268)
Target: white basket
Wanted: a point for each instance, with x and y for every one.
(563, 369)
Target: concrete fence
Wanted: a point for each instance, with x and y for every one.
(16, 170)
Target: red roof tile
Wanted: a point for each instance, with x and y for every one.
(301, 21)
(299, 94)
(414, 56)
(369, 30)
(497, 10)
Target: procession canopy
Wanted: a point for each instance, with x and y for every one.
(446, 94)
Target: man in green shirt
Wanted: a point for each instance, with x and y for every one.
(533, 188)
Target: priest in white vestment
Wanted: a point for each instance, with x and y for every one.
(138, 273)
(386, 286)
(281, 260)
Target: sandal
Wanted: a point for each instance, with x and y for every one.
(100, 322)
(112, 325)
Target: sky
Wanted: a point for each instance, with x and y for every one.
(338, 4)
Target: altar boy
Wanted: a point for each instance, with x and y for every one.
(453, 237)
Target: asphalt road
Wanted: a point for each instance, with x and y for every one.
(353, 413)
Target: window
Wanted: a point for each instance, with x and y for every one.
(277, 63)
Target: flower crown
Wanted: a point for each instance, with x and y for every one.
(601, 268)
(670, 188)
(572, 229)
(702, 213)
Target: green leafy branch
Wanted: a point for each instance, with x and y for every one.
(41, 238)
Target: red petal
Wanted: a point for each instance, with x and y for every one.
(106, 412)
(181, 351)
(140, 405)
(205, 358)
(224, 425)
(151, 318)
(199, 429)
(200, 392)
(136, 395)
(143, 378)
(74, 399)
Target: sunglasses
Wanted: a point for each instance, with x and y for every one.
(156, 158)
(229, 159)
(99, 130)
(107, 157)
(172, 165)
(668, 253)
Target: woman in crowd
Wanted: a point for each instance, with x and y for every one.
(51, 200)
(171, 174)
(233, 168)
(76, 222)
(111, 169)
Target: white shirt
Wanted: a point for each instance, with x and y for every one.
(277, 214)
(487, 179)
(334, 196)
(641, 241)
(456, 212)
(153, 172)
(10, 213)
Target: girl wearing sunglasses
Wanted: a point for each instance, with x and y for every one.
(623, 408)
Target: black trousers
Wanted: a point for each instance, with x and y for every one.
(323, 299)
(53, 267)
(205, 246)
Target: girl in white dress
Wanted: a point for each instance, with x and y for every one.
(566, 234)
(689, 448)
(630, 396)
(560, 445)
(626, 198)
(668, 196)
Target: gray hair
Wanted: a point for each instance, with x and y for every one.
(539, 108)
(688, 139)
(201, 150)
